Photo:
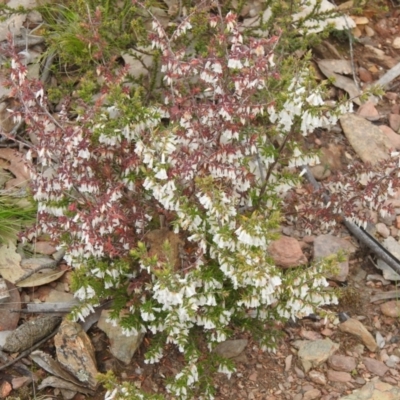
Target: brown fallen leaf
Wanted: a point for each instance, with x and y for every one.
(330, 67)
(17, 166)
(9, 320)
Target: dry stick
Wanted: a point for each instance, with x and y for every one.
(392, 74)
(358, 232)
(28, 351)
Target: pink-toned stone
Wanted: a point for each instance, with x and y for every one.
(365, 75)
(317, 377)
(327, 332)
(312, 394)
(342, 363)
(382, 229)
(5, 389)
(394, 122)
(338, 376)
(46, 248)
(20, 381)
(309, 239)
(391, 95)
(253, 377)
(355, 327)
(287, 253)
(389, 379)
(391, 309)
(391, 135)
(374, 366)
(395, 109)
(368, 111)
(398, 222)
(309, 335)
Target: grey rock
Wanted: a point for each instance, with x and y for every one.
(392, 361)
(326, 245)
(121, 346)
(366, 139)
(393, 246)
(314, 353)
(356, 328)
(231, 348)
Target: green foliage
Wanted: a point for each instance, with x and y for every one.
(15, 215)
(136, 147)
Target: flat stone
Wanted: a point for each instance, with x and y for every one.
(356, 328)
(368, 111)
(396, 43)
(320, 172)
(231, 348)
(391, 135)
(326, 245)
(342, 363)
(366, 139)
(360, 20)
(369, 31)
(382, 229)
(365, 75)
(314, 353)
(287, 253)
(338, 376)
(317, 377)
(392, 361)
(374, 366)
(375, 390)
(76, 353)
(394, 122)
(46, 248)
(312, 394)
(122, 346)
(393, 246)
(299, 372)
(391, 309)
(20, 381)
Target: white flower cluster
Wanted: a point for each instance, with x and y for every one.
(297, 106)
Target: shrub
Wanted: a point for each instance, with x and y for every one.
(214, 156)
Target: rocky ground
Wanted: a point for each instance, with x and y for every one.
(356, 355)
